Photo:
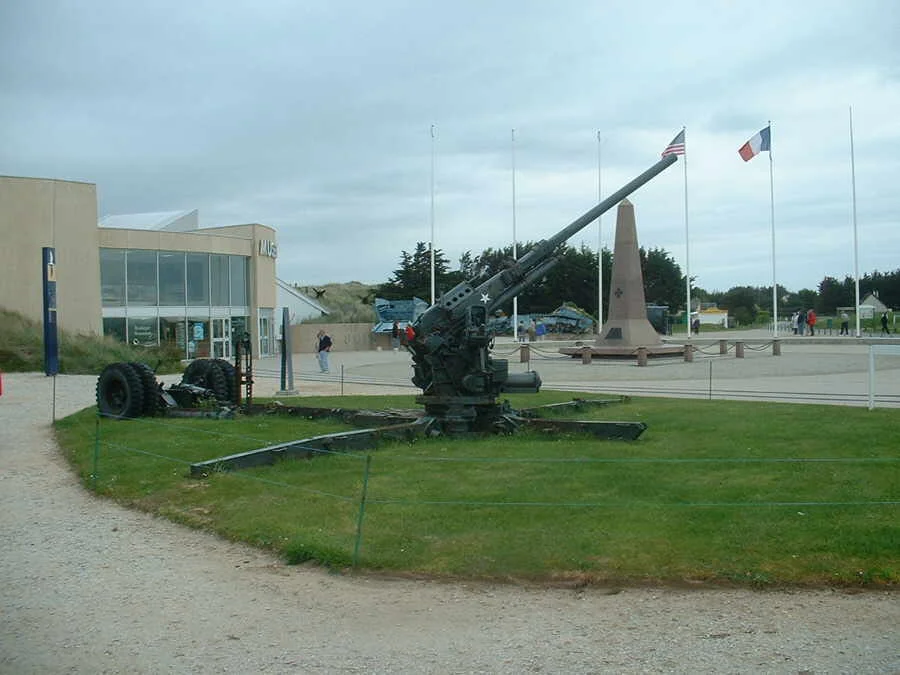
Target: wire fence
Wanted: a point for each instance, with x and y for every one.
(150, 436)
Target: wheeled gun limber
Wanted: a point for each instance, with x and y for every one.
(452, 364)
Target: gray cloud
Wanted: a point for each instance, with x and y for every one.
(315, 119)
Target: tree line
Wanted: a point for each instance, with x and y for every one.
(573, 281)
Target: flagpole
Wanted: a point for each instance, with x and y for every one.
(772, 202)
(432, 215)
(514, 247)
(687, 244)
(855, 244)
(599, 238)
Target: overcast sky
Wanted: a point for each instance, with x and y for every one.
(315, 118)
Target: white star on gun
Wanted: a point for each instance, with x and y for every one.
(485, 298)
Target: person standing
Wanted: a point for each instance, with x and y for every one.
(395, 336)
(795, 321)
(884, 324)
(811, 321)
(323, 347)
(845, 323)
(801, 322)
(532, 331)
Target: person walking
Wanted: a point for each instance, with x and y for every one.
(801, 322)
(395, 336)
(795, 321)
(811, 321)
(845, 323)
(532, 331)
(884, 324)
(322, 349)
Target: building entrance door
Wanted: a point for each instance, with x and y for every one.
(265, 332)
(221, 338)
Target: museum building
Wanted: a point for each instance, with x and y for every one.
(148, 279)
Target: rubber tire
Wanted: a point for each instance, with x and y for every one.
(151, 388)
(229, 371)
(206, 373)
(195, 373)
(120, 392)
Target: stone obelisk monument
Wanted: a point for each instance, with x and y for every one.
(627, 324)
(627, 327)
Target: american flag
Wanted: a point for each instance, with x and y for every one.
(676, 147)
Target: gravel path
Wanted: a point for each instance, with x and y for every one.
(89, 587)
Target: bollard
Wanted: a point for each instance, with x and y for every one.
(689, 353)
(739, 349)
(586, 355)
(642, 356)
(524, 353)
(723, 346)
(776, 347)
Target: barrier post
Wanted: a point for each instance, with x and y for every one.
(642, 356)
(362, 511)
(723, 346)
(586, 355)
(689, 353)
(96, 453)
(776, 347)
(739, 349)
(524, 353)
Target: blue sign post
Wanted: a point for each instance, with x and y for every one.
(51, 338)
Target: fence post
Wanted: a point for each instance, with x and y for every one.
(776, 347)
(642, 356)
(586, 355)
(362, 511)
(739, 349)
(688, 353)
(524, 353)
(723, 346)
(96, 452)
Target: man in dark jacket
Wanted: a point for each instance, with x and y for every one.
(324, 346)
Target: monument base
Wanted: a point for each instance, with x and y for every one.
(623, 352)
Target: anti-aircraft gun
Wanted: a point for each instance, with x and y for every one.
(452, 365)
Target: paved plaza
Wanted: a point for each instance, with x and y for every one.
(809, 370)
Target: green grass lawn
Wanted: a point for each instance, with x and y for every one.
(714, 491)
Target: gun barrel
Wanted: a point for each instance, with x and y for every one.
(611, 201)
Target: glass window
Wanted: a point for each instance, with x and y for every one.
(112, 278)
(198, 278)
(218, 268)
(143, 332)
(114, 328)
(171, 278)
(239, 293)
(198, 337)
(238, 327)
(172, 331)
(141, 270)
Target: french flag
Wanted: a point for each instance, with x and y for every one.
(759, 143)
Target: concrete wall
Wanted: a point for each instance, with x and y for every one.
(158, 240)
(347, 337)
(38, 212)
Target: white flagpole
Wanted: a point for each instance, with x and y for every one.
(432, 215)
(599, 238)
(687, 241)
(515, 246)
(772, 200)
(853, 200)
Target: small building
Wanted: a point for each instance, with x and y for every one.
(871, 306)
(713, 316)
